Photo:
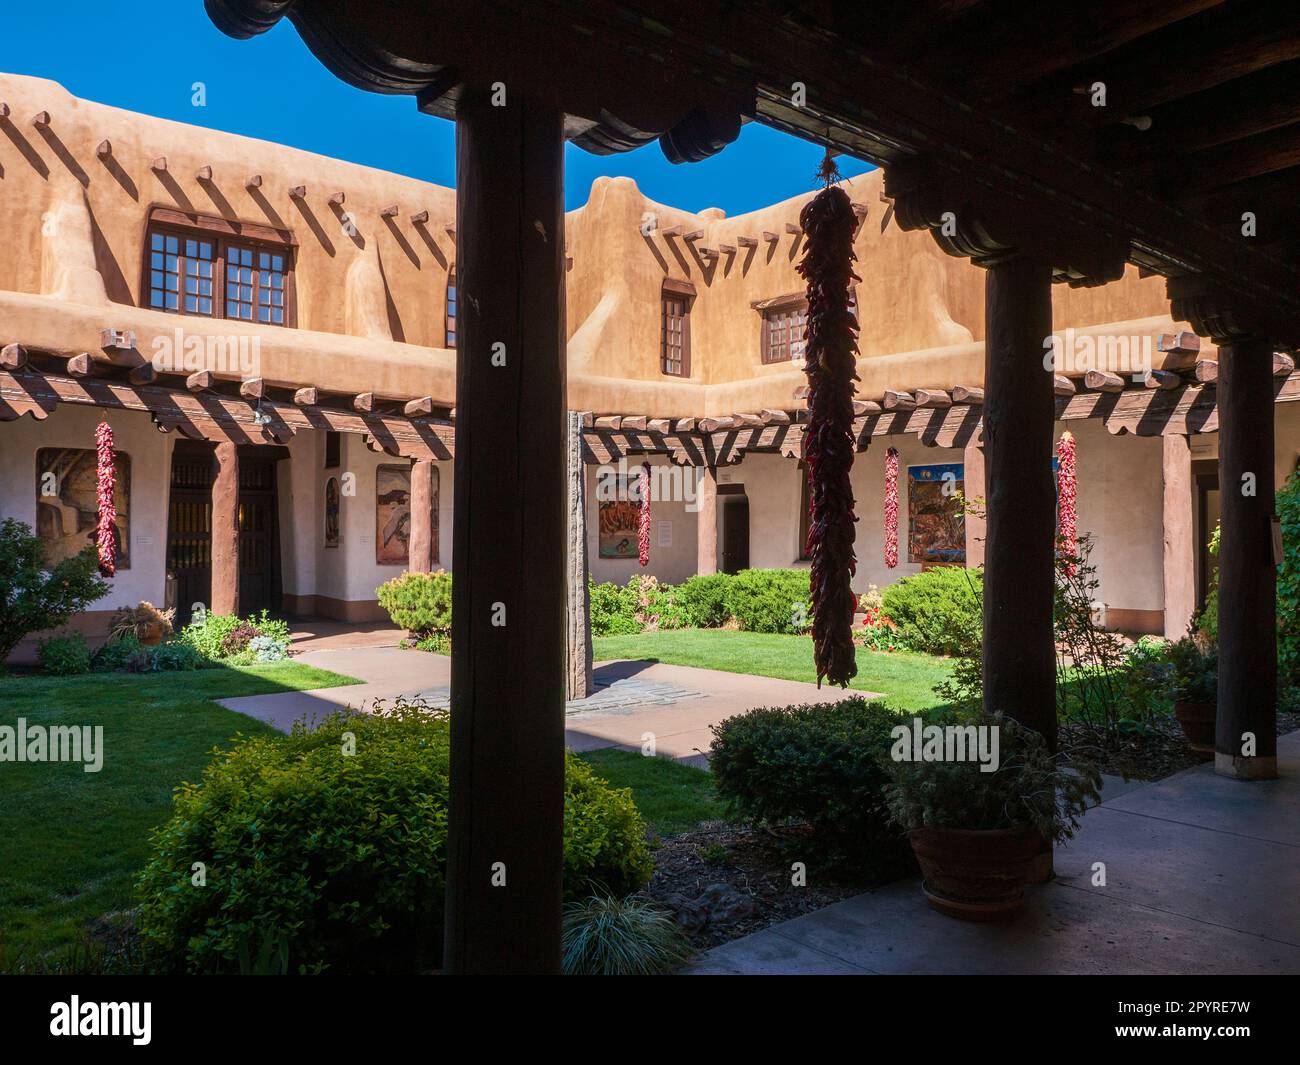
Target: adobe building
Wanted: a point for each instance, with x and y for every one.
(271, 336)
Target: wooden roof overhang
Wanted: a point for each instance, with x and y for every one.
(976, 113)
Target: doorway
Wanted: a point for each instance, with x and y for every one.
(733, 512)
(1206, 475)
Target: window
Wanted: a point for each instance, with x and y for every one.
(332, 448)
(451, 308)
(784, 320)
(218, 269)
(675, 333)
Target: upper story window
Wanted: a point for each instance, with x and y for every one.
(675, 328)
(784, 320)
(218, 269)
(451, 308)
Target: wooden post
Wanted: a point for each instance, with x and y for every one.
(974, 491)
(1180, 549)
(504, 847)
(421, 541)
(225, 531)
(1247, 576)
(706, 519)
(579, 597)
(1019, 551)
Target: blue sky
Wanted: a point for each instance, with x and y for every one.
(144, 55)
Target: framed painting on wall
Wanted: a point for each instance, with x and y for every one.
(392, 515)
(620, 521)
(936, 526)
(67, 509)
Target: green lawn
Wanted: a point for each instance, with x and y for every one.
(71, 841)
(907, 680)
(672, 797)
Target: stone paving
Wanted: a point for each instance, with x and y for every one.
(624, 693)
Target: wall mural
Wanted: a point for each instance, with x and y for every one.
(620, 521)
(66, 508)
(936, 526)
(332, 512)
(392, 515)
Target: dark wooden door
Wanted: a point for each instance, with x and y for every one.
(735, 532)
(189, 529)
(258, 540)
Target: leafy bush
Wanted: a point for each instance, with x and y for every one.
(64, 656)
(822, 764)
(770, 600)
(178, 656)
(703, 599)
(613, 609)
(340, 858)
(226, 637)
(34, 598)
(1030, 786)
(418, 602)
(1194, 675)
(933, 609)
(437, 644)
(119, 655)
(268, 649)
(605, 936)
(1288, 585)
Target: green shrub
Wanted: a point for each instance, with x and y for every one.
(118, 655)
(418, 602)
(179, 656)
(1193, 675)
(613, 609)
(770, 600)
(340, 858)
(437, 644)
(35, 598)
(703, 599)
(1288, 585)
(822, 764)
(934, 609)
(64, 656)
(605, 936)
(226, 637)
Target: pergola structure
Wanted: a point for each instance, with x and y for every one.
(1165, 134)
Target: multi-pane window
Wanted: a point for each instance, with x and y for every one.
(451, 308)
(181, 273)
(675, 329)
(254, 284)
(783, 331)
(218, 269)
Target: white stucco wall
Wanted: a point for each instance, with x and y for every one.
(672, 563)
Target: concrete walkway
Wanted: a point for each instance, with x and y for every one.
(633, 701)
(1202, 875)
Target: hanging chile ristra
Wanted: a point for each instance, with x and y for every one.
(891, 507)
(829, 224)
(104, 483)
(643, 524)
(1067, 491)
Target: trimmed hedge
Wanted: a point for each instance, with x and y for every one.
(770, 600)
(703, 600)
(934, 609)
(823, 764)
(418, 602)
(338, 859)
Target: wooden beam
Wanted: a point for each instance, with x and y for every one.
(420, 544)
(298, 192)
(771, 237)
(81, 365)
(793, 227)
(199, 381)
(708, 253)
(1183, 343)
(727, 249)
(104, 148)
(1283, 364)
(1207, 370)
(865, 407)
(693, 236)
(450, 230)
(144, 374)
(253, 388)
(712, 425)
(898, 401)
(968, 394)
(933, 398)
(254, 182)
(13, 357)
(1162, 379)
(659, 425)
(1103, 381)
(673, 231)
(418, 407)
(306, 397)
(391, 211)
(420, 218)
(685, 425)
(609, 422)
(774, 417)
(364, 403)
(748, 421)
(1063, 386)
(337, 199)
(638, 423)
(41, 119)
(225, 531)
(159, 165)
(747, 242)
(204, 173)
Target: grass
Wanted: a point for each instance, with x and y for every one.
(907, 680)
(672, 797)
(71, 842)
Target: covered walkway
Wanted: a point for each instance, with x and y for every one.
(1202, 876)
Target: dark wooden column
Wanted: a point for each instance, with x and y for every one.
(421, 539)
(225, 531)
(1247, 576)
(1019, 549)
(508, 620)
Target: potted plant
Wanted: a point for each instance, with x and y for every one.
(144, 621)
(974, 831)
(1195, 690)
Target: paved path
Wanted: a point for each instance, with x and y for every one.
(633, 701)
(1202, 876)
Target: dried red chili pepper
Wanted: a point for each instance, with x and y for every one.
(829, 225)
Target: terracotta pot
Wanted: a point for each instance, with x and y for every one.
(1197, 720)
(149, 633)
(975, 874)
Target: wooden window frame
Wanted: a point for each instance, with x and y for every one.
(681, 293)
(449, 316)
(223, 234)
(770, 310)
